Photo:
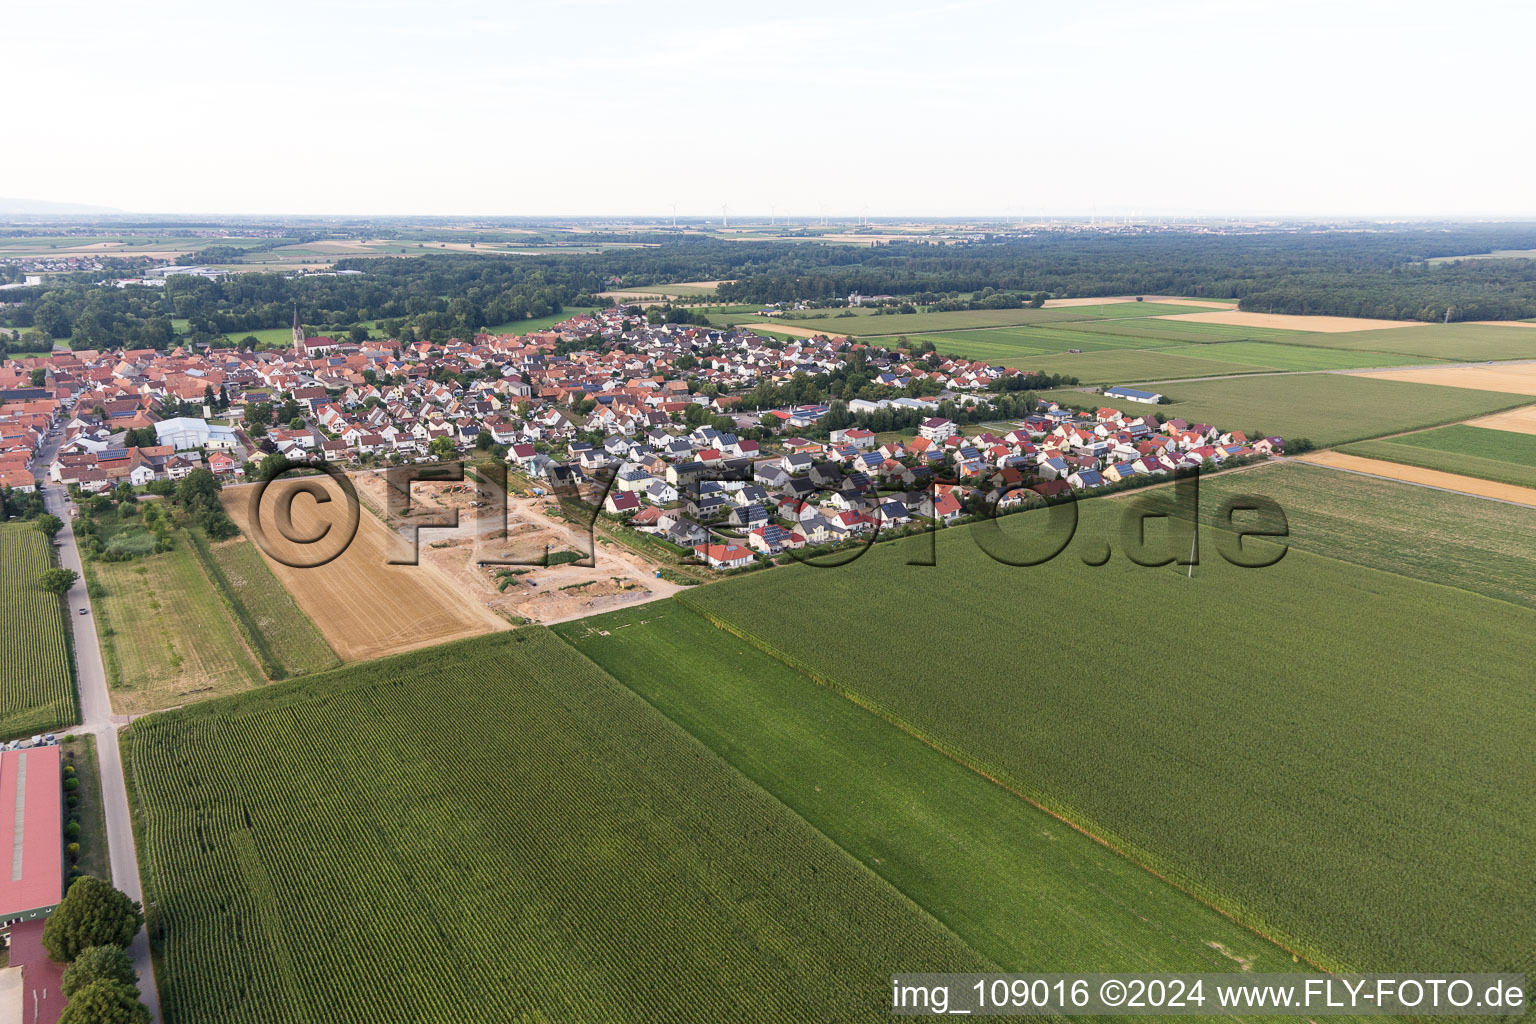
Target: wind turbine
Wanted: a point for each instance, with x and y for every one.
(674, 215)
(725, 220)
(772, 214)
(866, 214)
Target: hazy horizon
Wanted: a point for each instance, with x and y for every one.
(963, 109)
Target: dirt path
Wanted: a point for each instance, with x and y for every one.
(1431, 478)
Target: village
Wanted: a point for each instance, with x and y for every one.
(661, 425)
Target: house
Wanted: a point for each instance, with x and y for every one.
(724, 556)
(224, 467)
(621, 503)
(936, 428)
(772, 539)
(947, 508)
(18, 480)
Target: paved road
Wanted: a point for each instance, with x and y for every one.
(96, 711)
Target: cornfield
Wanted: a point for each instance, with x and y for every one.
(1335, 756)
(37, 690)
(494, 830)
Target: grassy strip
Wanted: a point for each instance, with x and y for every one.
(237, 610)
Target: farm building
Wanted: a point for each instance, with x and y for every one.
(1133, 395)
(185, 433)
(31, 834)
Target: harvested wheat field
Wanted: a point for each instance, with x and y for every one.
(1288, 322)
(1512, 378)
(1520, 421)
(1427, 477)
(364, 607)
(1506, 323)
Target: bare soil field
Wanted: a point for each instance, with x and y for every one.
(1506, 323)
(1288, 322)
(363, 606)
(1521, 421)
(1514, 378)
(1429, 477)
(539, 594)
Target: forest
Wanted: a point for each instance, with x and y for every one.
(1373, 273)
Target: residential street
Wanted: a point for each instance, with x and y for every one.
(96, 712)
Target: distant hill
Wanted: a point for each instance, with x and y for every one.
(37, 206)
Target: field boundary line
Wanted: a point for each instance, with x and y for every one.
(1080, 823)
(241, 615)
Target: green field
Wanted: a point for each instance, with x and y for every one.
(542, 323)
(1122, 366)
(37, 687)
(1293, 357)
(1499, 455)
(865, 323)
(492, 831)
(1328, 408)
(166, 637)
(1300, 745)
(1019, 886)
(1455, 342)
(1458, 540)
(1177, 330)
(281, 629)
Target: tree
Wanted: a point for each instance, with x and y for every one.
(57, 581)
(441, 447)
(96, 963)
(105, 1002)
(198, 491)
(48, 524)
(484, 440)
(37, 377)
(91, 914)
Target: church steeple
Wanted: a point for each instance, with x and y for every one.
(298, 330)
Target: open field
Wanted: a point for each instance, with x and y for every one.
(1416, 474)
(1017, 885)
(1439, 537)
(1163, 329)
(1118, 366)
(1521, 421)
(865, 323)
(1297, 744)
(572, 855)
(1294, 357)
(1289, 322)
(166, 637)
(1004, 343)
(1515, 378)
(540, 323)
(1327, 408)
(37, 686)
(291, 639)
(1500, 455)
(1177, 300)
(363, 606)
(1454, 342)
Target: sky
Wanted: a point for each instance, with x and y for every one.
(932, 108)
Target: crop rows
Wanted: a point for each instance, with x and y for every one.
(37, 691)
(1300, 745)
(490, 831)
